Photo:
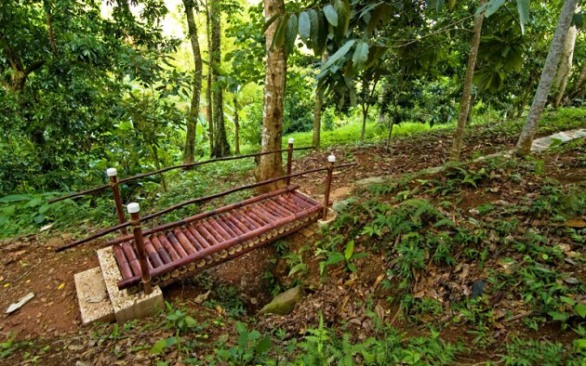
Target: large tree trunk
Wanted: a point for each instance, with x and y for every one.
(236, 125)
(209, 112)
(561, 80)
(549, 70)
(221, 147)
(467, 92)
(270, 166)
(189, 152)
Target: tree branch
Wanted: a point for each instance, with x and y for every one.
(10, 54)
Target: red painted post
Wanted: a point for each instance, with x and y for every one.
(113, 175)
(332, 161)
(289, 160)
(133, 210)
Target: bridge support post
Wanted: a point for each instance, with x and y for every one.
(113, 176)
(133, 210)
(332, 161)
(289, 160)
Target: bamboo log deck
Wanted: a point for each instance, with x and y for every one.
(211, 238)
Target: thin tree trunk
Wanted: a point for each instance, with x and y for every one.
(549, 70)
(272, 123)
(221, 147)
(189, 152)
(364, 117)
(49, 23)
(579, 88)
(561, 80)
(236, 126)
(317, 109)
(209, 110)
(467, 92)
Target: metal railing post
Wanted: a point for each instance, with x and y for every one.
(133, 210)
(113, 176)
(332, 161)
(289, 160)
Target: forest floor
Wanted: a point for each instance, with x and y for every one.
(481, 262)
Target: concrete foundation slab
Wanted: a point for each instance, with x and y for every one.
(94, 303)
(127, 306)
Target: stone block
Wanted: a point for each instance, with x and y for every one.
(127, 306)
(94, 303)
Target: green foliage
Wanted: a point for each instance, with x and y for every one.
(250, 349)
(521, 352)
(323, 347)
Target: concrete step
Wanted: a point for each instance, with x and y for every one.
(126, 306)
(94, 303)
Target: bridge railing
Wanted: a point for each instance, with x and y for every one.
(123, 224)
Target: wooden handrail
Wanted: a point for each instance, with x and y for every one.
(197, 200)
(182, 166)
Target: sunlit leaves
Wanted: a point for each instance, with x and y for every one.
(304, 26)
(331, 15)
(360, 55)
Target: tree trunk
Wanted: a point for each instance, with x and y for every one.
(189, 152)
(317, 118)
(209, 112)
(364, 118)
(561, 81)
(467, 92)
(270, 165)
(236, 126)
(221, 147)
(49, 23)
(579, 88)
(551, 64)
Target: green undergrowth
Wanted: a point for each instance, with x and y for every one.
(553, 121)
(479, 246)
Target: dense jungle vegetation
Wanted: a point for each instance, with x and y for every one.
(444, 250)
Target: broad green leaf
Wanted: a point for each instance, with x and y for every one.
(341, 52)
(304, 26)
(331, 15)
(15, 198)
(360, 54)
(162, 344)
(190, 322)
(334, 258)
(263, 345)
(314, 26)
(39, 219)
(580, 344)
(343, 10)
(291, 33)
(322, 35)
(581, 310)
(523, 9)
(279, 37)
(9, 210)
(492, 6)
(349, 250)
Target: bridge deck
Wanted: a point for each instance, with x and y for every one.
(195, 246)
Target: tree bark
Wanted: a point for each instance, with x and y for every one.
(317, 109)
(270, 166)
(561, 80)
(236, 125)
(190, 137)
(209, 111)
(49, 23)
(579, 88)
(19, 73)
(221, 147)
(549, 70)
(467, 92)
